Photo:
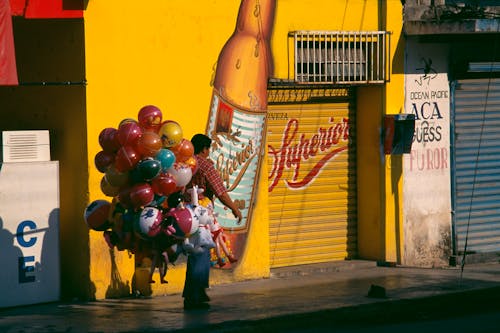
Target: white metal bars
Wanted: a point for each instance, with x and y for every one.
(340, 57)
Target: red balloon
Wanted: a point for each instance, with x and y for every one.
(126, 241)
(108, 189)
(183, 151)
(149, 144)
(96, 215)
(184, 221)
(164, 184)
(150, 117)
(124, 197)
(129, 133)
(126, 158)
(103, 160)
(141, 195)
(108, 139)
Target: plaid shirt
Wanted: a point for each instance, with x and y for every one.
(208, 178)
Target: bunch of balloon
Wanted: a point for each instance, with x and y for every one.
(143, 162)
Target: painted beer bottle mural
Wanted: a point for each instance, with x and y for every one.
(237, 120)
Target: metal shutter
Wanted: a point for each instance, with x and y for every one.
(476, 158)
(315, 222)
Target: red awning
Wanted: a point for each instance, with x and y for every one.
(47, 9)
(8, 70)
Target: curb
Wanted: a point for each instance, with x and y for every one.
(328, 267)
(445, 306)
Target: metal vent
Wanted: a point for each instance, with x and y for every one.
(340, 57)
(26, 146)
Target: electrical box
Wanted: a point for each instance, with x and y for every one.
(26, 146)
(398, 133)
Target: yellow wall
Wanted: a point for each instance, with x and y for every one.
(380, 183)
(370, 172)
(295, 15)
(394, 103)
(163, 53)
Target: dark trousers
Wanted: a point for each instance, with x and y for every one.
(197, 276)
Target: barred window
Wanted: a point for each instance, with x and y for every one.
(340, 57)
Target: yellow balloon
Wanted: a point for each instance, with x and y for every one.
(127, 120)
(116, 178)
(170, 133)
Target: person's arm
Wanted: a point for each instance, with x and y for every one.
(217, 186)
(229, 203)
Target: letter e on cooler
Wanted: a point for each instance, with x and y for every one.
(26, 266)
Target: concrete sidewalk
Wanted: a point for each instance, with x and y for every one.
(291, 299)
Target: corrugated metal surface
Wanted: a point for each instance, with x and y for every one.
(312, 194)
(476, 178)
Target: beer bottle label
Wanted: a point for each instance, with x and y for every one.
(237, 138)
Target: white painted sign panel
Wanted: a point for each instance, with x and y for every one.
(29, 233)
(426, 182)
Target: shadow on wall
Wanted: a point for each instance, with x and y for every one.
(51, 244)
(9, 256)
(117, 288)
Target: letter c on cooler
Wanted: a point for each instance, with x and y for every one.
(20, 232)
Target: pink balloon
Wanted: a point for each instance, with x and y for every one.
(103, 160)
(129, 133)
(108, 139)
(150, 117)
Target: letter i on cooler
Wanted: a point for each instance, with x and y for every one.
(237, 119)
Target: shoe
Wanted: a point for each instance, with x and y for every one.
(204, 297)
(221, 262)
(232, 259)
(172, 257)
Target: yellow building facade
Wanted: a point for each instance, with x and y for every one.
(164, 53)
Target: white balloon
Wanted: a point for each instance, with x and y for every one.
(181, 173)
(148, 223)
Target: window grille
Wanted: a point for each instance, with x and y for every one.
(340, 57)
